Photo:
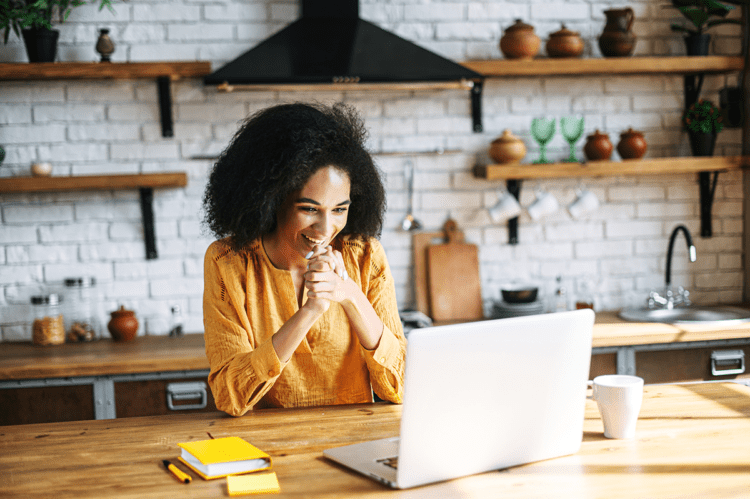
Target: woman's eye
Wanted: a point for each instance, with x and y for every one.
(340, 210)
(308, 209)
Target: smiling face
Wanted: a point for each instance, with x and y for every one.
(314, 215)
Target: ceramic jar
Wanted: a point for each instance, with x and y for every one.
(598, 147)
(104, 45)
(632, 145)
(123, 326)
(617, 39)
(520, 41)
(507, 148)
(565, 43)
(41, 169)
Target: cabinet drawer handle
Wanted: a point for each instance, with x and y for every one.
(189, 390)
(722, 358)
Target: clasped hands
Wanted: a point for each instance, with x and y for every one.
(325, 277)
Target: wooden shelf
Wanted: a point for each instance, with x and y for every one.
(656, 166)
(102, 70)
(608, 66)
(93, 182)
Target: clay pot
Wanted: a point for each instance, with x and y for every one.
(632, 145)
(565, 43)
(507, 148)
(519, 41)
(598, 147)
(617, 39)
(123, 326)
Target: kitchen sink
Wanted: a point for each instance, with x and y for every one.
(687, 315)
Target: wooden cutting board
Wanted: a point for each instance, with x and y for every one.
(455, 290)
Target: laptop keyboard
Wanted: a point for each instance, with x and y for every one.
(390, 461)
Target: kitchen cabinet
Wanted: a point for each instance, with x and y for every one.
(105, 379)
(46, 404)
(692, 364)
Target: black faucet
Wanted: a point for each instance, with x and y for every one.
(669, 300)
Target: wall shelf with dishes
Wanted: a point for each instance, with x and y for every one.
(144, 182)
(163, 72)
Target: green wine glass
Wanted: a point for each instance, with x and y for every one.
(542, 129)
(572, 129)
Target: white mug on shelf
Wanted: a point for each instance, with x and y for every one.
(619, 398)
(585, 202)
(507, 207)
(544, 204)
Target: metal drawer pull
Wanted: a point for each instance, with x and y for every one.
(734, 358)
(188, 390)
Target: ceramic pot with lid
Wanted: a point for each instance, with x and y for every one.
(565, 43)
(632, 145)
(520, 41)
(124, 325)
(507, 148)
(598, 147)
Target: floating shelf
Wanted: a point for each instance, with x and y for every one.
(145, 183)
(606, 66)
(102, 70)
(92, 182)
(164, 72)
(656, 166)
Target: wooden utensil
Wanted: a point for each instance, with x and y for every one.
(453, 278)
(420, 242)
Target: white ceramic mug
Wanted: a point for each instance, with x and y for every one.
(507, 207)
(544, 204)
(585, 202)
(619, 398)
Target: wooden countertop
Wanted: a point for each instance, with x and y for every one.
(691, 441)
(148, 354)
(145, 354)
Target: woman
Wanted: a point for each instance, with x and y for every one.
(299, 304)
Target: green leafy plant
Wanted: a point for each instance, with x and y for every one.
(702, 15)
(16, 15)
(703, 116)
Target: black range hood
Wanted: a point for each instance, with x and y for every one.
(331, 44)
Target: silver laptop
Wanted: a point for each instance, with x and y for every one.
(484, 396)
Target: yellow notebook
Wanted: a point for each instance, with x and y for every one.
(262, 483)
(219, 457)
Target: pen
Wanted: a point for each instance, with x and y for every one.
(177, 472)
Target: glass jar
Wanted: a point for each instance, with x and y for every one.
(82, 314)
(48, 326)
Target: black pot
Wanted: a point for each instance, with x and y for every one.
(697, 44)
(41, 44)
(702, 143)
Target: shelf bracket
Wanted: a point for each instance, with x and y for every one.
(514, 187)
(476, 106)
(147, 212)
(707, 187)
(165, 106)
(692, 84)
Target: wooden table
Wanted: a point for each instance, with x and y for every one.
(691, 441)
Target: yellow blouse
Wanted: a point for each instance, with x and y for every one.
(246, 300)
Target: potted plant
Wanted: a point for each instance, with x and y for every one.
(703, 121)
(701, 15)
(32, 21)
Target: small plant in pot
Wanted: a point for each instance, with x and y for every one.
(32, 21)
(703, 121)
(701, 15)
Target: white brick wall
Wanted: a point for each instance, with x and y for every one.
(95, 127)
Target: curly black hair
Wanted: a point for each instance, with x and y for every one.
(274, 153)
